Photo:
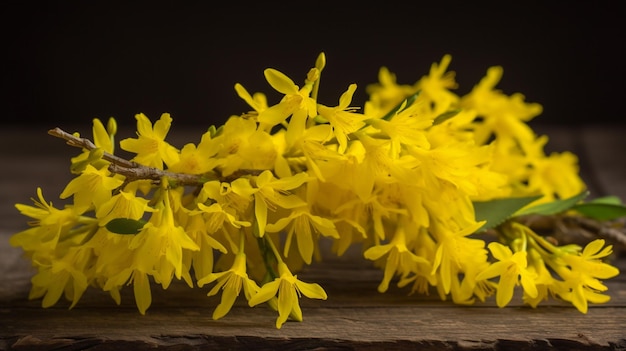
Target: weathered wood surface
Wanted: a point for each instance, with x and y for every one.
(355, 316)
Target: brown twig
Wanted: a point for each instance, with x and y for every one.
(600, 229)
(135, 171)
(131, 170)
(572, 229)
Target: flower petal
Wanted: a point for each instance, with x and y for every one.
(311, 290)
(228, 299)
(267, 291)
(280, 81)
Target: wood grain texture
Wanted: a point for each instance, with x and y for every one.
(355, 316)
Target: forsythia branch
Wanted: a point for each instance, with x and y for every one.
(398, 179)
(573, 229)
(602, 230)
(131, 170)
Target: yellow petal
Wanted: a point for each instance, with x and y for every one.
(499, 251)
(260, 213)
(376, 252)
(144, 126)
(595, 297)
(291, 182)
(602, 270)
(267, 291)
(143, 295)
(346, 98)
(162, 126)
(311, 290)
(243, 93)
(288, 201)
(55, 289)
(494, 270)
(276, 114)
(100, 136)
(506, 285)
(279, 225)
(280, 82)
(228, 299)
(528, 283)
(287, 299)
(211, 277)
(306, 245)
(579, 300)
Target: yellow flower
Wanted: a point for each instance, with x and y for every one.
(582, 282)
(196, 227)
(436, 86)
(216, 217)
(157, 251)
(48, 225)
(62, 274)
(399, 260)
(271, 192)
(402, 180)
(150, 146)
(258, 101)
(378, 166)
(311, 143)
(242, 145)
(454, 252)
(197, 159)
(288, 288)
(101, 139)
(546, 284)
(472, 288)
(374, 211)
(342, 118)
(122, 205)
(512, 269)
(207, 221)
(556, 176)
(160, 244)
(230, 282)
(502, 115)
(453, 163)
(295, 99)
(112, 260)
(406, 127)
(300, 222)
(386, 94)
(92, 187)
(120, 265)
(223, 193)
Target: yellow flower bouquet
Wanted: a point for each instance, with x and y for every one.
(441, 192)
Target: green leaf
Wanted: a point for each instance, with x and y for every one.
(610, 200)
(445, 116)
(125, 226)
(495, 212)
(554, 207)
(401, 106)
(601, 211)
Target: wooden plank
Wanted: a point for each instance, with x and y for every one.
(355, 316)
(353, 328)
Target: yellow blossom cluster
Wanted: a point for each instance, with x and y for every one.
(247, 206)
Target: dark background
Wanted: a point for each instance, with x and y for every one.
(69, 61)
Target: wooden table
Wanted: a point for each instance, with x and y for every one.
(355, 316)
